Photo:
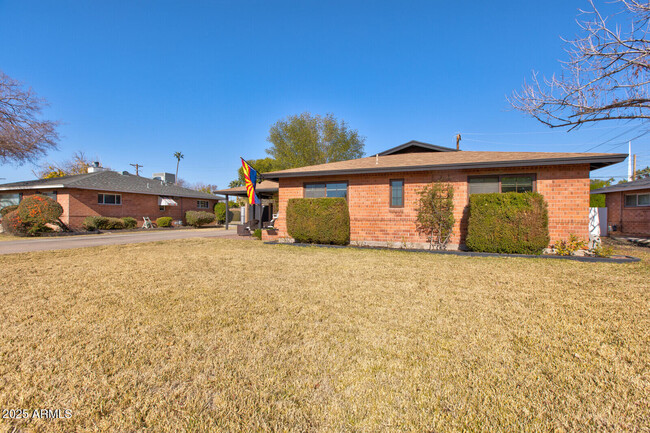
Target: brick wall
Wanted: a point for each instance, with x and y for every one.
(630, 220)
(372, 220)
(79, 203)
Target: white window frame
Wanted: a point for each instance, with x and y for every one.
(636, 200)
(103, 202)
(199, 204)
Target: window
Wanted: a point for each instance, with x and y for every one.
(50, 194)
(109, 199)
(483, 185)
(634, 200)
(332, 189)
(202, 204)
(162, 208)
(504, 183)
(397, 193)
(9, 200)
(517, 184)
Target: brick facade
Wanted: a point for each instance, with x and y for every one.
(373, 221)
(629, 220)
(80, 203)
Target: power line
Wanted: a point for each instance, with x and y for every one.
(535, 132)
(619, 135)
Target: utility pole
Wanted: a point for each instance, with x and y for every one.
(457, 141)
(137, 168)
(629, 161)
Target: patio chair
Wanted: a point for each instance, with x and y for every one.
(271, 223)
(147, 223)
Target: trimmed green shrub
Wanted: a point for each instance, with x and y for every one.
(512, 223)
(257, 233)
(92, 223)
(199, 218)
(5, 210)
(319, 220)
(220, 213)
(103, 223)
(164, 222)
(129, 222)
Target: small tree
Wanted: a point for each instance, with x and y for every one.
(436, 214)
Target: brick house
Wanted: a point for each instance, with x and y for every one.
(628, 207)
(382, 190)
(108, 193)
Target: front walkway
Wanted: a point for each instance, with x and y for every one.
(67, 242)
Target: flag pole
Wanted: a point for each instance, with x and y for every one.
(251, 166)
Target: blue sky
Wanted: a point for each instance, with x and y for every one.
(133, 82)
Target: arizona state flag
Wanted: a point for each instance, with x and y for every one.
(250, 178)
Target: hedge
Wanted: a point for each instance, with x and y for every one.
(129, 222)
(319, 220)
(512, 223)
(220, 213)
(107, 223)
(164, 222)
(199, 218)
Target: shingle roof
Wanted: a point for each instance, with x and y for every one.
(627, 186)
(110, 181)
(427, 161)
(266, 186)
(416, 146)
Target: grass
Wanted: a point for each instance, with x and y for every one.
(229, 335)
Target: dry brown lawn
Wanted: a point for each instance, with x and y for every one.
(230, 335)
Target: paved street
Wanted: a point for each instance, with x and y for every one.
(67, 242)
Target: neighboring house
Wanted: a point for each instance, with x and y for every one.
(628, 207)
(382, 190)
(111, 194)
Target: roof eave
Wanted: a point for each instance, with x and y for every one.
(594, 163)
(41, 186)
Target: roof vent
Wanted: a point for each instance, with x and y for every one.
(126, 173)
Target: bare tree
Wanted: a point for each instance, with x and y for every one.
(606, 76)
(23, 136)
(77, 164)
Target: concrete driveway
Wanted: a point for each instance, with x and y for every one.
(67, 242)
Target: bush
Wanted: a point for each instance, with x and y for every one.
(12, 224)
(39, 210)
(103, 223)
(319, 220)
(603, 251)
(257, 233)
(92, 223)
(220, 213)
(129, 222)
(569, 248)
(199, 218)
(164, 222)
(514, 223)
(435, 214)
(5, 210)
(32, 215)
